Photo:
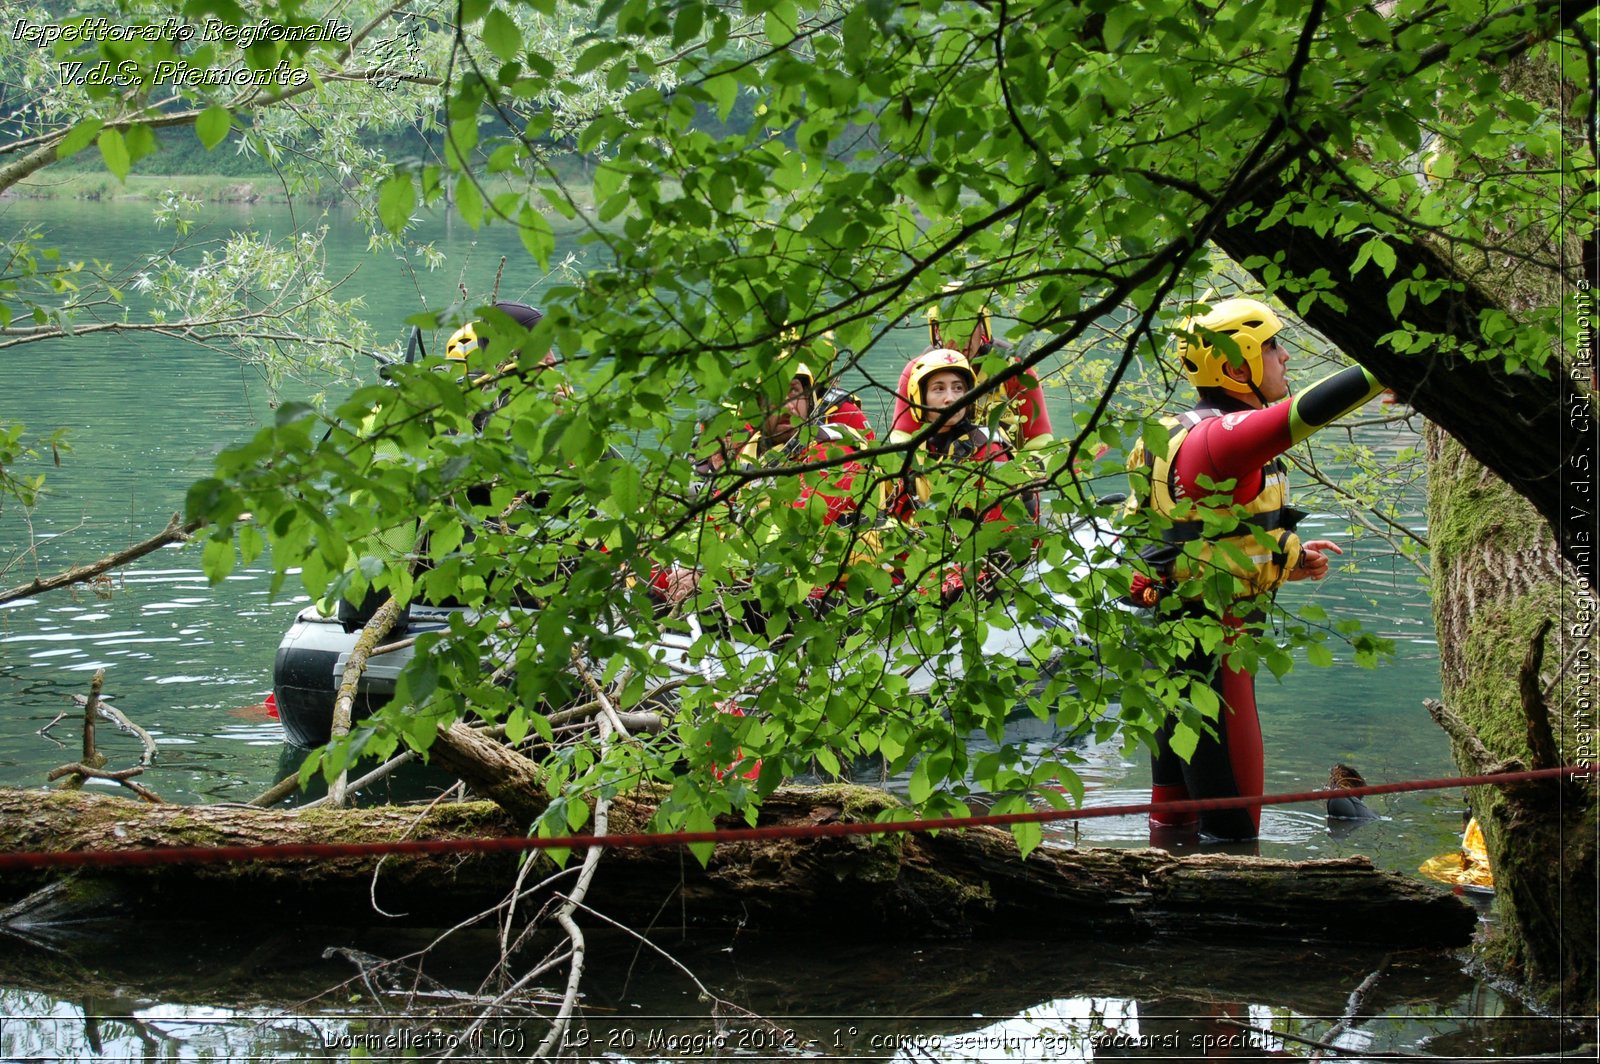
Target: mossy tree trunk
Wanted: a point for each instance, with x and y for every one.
(953, 883)
(1499, 582)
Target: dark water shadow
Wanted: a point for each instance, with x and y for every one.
(315, 992)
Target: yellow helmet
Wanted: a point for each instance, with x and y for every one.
(926, 365)
(474, 336)
(1250, 322)
(802, 373)
(462, 343)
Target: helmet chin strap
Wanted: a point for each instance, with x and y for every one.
(1255, 390)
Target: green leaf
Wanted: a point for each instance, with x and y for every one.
(1028, 835)
(594, 55)
(114, 150)
(828, 761)
(1185, 740)
(140, 141)
(418, 681)
(920, 786)
(397, 197)
(537, 236)
(213, 125)
(501, 34)
(781, 24)
(469, 204)
(625, 488)
(78, 137)
(699, 820)
(1118, 21)
(1379, 251)
(1396, 299)
(217, 558)
(687, 25)
(724, 90)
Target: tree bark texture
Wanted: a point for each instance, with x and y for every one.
(1497, 587)
(961, 883)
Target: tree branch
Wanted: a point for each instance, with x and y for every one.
(175, 532)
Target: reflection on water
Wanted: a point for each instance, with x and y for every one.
(180, 660)
(190, 992)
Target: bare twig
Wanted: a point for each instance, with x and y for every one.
(90, 705)
(1285, 1036)
(600, 698)
(1352, 1009)
(717, 1003)
(382, 771)
(571, 902)
(91, 767)
(122, 776)
(122, 721)
(1478, 756)
(277, 792)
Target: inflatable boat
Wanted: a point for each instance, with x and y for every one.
(312, 655)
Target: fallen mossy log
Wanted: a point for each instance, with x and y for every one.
(904, 885)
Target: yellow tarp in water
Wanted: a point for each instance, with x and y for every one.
(1467, 867)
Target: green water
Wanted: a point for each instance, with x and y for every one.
(191, 662)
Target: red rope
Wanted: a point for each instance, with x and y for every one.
(516, 844)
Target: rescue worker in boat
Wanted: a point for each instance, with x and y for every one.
(813, 423)
(811, 412)
(1018, 408)
(671, 585)
(1026, 420)
(470, 346)
(934, 389)
(1232, 440)
(467, 352)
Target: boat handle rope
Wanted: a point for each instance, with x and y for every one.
(174, 855)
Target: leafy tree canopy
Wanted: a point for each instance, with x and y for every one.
(1065, 162)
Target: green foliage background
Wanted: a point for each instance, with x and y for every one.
(1067, 162)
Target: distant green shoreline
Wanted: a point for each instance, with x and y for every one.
(217, 188)
(208, 188)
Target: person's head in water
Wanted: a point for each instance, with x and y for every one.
(1258, 375)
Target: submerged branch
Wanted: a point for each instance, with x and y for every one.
(176, 531)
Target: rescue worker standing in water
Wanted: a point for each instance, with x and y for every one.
(1223, 457)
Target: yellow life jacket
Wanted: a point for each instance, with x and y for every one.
(1257, 568)
(914, 490)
